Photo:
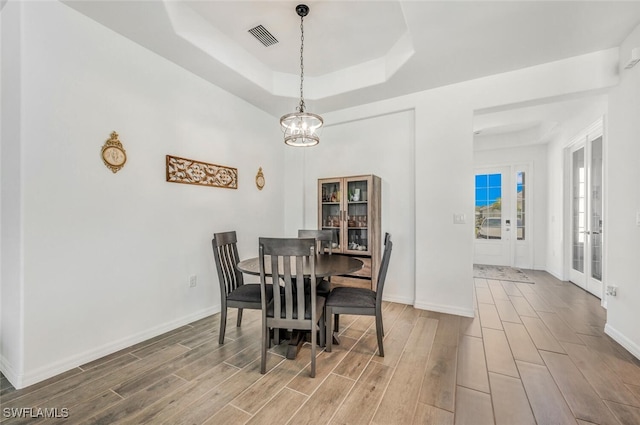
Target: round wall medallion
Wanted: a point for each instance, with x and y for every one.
(260, 179)
(113, 154)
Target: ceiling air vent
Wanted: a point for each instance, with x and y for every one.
(263, 35)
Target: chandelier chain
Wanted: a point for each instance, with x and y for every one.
(302, 105)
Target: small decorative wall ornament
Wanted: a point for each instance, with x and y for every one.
(189, 171)
(260, 179)
(113, 154)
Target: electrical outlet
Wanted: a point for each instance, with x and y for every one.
(612, 291)
(193, 281)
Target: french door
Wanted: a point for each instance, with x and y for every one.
(502, 216)
(586, 213)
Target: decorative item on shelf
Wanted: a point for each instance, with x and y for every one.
(189, 171)
(300, 127)
(113, 154)
(260, 179)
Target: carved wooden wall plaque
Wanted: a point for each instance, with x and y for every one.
(189, 171)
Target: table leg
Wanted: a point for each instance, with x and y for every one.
(295, 344)
(336, 339)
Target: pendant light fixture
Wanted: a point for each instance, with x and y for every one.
(300, 127)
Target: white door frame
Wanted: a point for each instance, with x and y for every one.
(583, 140)
(518, 253)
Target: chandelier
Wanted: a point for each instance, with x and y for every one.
(300, 127)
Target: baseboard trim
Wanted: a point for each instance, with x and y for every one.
(46, 372)
(629, 345)
(556, 275)
(399, 300)
(457, 311)
(9, 371)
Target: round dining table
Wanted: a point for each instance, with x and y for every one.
(326, 265)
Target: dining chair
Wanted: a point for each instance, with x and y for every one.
(360, 301)
(324, 240)
(291, 307)
(234, 293)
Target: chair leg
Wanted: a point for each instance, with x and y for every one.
(223, 325)
(329, 329)
(239, 317)
(313, 352)
(379, 332)
(322, 333)
(336, 326)
(265, 341)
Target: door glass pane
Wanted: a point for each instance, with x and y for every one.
(488, 218)
(596, 208)
(357, 219)
(520, 205)
(331, 208)
(579, 217)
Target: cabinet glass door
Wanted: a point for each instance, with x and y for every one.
(357, 216)
(331, 194)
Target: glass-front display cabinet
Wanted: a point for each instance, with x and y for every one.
(350, 207)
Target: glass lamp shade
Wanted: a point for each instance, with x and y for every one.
(301, 128)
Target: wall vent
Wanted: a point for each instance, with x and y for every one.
(263, 35)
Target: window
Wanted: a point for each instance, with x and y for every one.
(488, 218)
(520, 205)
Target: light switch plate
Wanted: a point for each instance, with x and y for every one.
(459, 219)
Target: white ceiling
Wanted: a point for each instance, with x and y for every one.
(361, 51)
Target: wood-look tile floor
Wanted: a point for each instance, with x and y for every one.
(534, 354)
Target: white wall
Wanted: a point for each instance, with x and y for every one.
(444, 163)
(11, 306)
(104, 259)
(621, 232)
(383, 146)
(536, 157)
(107, 257)
(559, 205)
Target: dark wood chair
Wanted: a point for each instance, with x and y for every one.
(324, 240)
(291, 307)
(234, 293)
(360, 301)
